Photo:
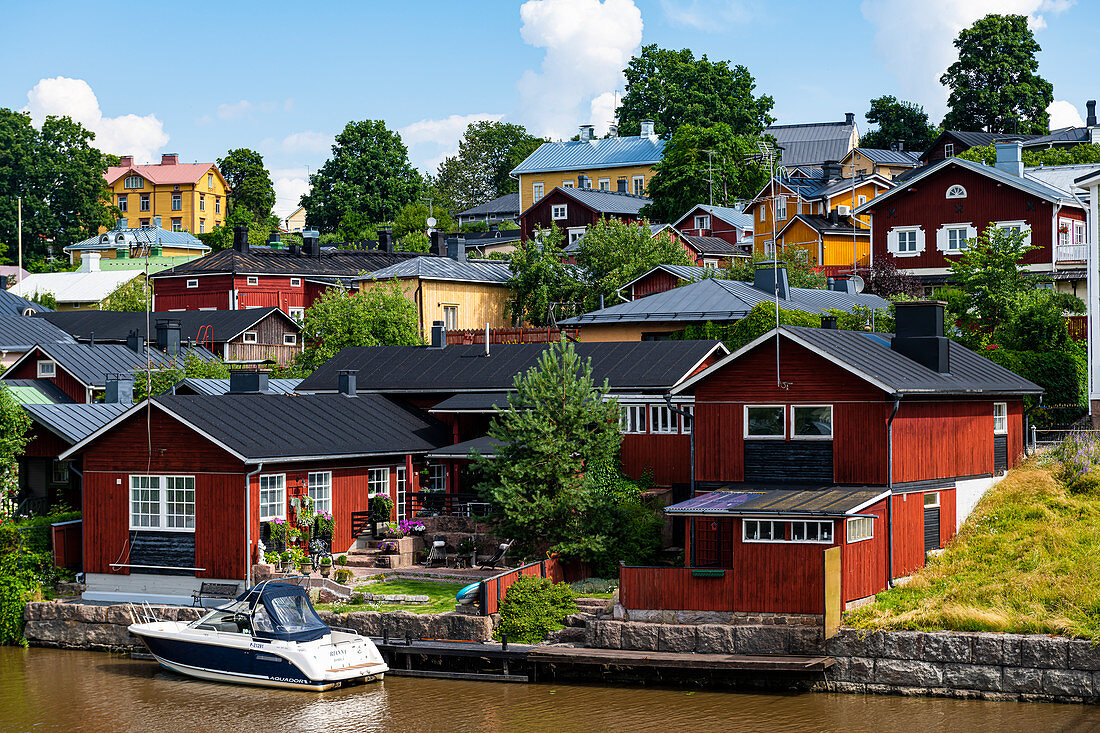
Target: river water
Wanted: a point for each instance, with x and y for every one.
(47, 690)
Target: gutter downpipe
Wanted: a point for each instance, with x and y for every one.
(890, 486)
(248, 525)
(80, 475)
(685, 414)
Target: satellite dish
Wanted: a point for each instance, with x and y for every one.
(858, 283)
(431, 222)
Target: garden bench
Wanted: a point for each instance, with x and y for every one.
(214, 590)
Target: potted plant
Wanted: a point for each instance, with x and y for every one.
(284, 559)
(306, 566)
(326, 566)
(380, 507)
(467, 547)
(342, 560)
(324, 526)
(389, 547)
(411, 527)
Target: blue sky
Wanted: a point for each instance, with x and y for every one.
(283, 77)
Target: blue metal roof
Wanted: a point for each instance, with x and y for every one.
(610, 152)
(139, 236)
(444, 268)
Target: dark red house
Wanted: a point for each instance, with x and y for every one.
(923, 224)
(573, 210)
(723, 222)
(879, 444)
(187, 502)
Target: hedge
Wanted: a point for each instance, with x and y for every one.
(1063, 374)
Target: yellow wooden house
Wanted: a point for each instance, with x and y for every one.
(874, 161)
(188, 197)
(464, 295)
(622, 164)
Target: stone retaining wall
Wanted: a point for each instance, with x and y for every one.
(1027, 667)
(104, 628)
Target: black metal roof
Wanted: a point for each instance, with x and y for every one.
(506, 204)
(764, 500)
(485, 445)
(272, 427)
(216, 386)
(473, 402)
(74, 423)
(13, 305)
(279, 261)
(92, 363)
(639, 364)
(20, 333)
(116, 325)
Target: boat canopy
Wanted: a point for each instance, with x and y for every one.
(282, 611)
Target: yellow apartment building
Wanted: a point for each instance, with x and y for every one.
(188, 197)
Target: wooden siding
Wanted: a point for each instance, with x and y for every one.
(800, 236)
(172, 293)
(863, 564)
(859, 433)
(106, 522)
(478, 303)
(908, 521)
(553, 179)
(719, 448)
(719, 227)
(947, 516)
(1016, 438)
(668, 456)
(219, 525)
(934, 440)
(43, 443)
(270, 291)
(279, 353)
(64, 381)
(175, 448)
(577, 214)
(655, 282)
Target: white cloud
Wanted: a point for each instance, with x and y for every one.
(602, 110)
(246, 108)
(290, 184)
(307, 142)
(709, 16)
(1064, 114)
(588, 43)
(129, 134)
(914, 40)
(430, 141)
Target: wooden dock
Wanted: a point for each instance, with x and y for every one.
(676, 660)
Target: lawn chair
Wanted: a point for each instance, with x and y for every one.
(438, 552)
(498, 556)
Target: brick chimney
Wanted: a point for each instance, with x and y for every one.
(170, 159)
(126, 161)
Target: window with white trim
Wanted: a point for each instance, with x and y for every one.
(450, 317)
(209, 180)
(559, 211)
(1000, 418)
(1078, 232)
(193, 283)
(661, 419)
(632, 418)
(685, 420)
(575, 234)
(177, 202)
(956, 239)
(712, 264)
(605, 184)
(768, 530)
(765, 421)
(272, 496)
(781, 208)
(905, 241)
(320, 490)
(860, 529)
(248, 337)
(758, 530)
(949, 150)
(290, 339)
(297, 314)
(569, 184)
(202, 202)
(639, 185)
(295, 282)
(1064, 232)
(179, 502)
(123, 202)
(144, 202)
(177, 225)
(1016, 227)
(378, 481)
(861, 200)
(437, 477)
(134, 182)
(401, 484)
(47, 369)
(145, 502)
(162, 503)
(536, 191)
(807, 531)
(252, 280)
(702, 221)
(932, 500)
(956, 192)
(812, 422)
(763, 210)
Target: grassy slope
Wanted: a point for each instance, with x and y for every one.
(442, 596)
(1026, 560)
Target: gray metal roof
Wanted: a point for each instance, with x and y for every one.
(218, 325)
(14, 305)
(506, 204)
(712, 245)
(812, 143)
(74, 423)
(609, 152)
(738, 218)
(20, 333)
(138, 236)
(890, 157)
(607, 202)
(444, 268)
(1064, 136)
(761, 500)
(1063, 177)
(473, 402)
(91, 364)
(712, 299)
(485, 445)
(204, 386)
(690, 273)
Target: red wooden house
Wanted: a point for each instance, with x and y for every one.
(573, 210)
(812, 438)
(705, 223)
(187, 501)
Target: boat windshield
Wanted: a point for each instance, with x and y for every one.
(283, 611)
(294, 613)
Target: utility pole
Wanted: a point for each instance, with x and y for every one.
(19, 205)
(710, 176)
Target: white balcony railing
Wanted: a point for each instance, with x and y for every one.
(1071, 252)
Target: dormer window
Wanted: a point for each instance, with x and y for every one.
(134, 182)
(956, 192)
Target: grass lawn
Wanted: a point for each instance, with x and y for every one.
(442, 596)
(1027, 560)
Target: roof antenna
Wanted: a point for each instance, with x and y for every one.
(767, 156)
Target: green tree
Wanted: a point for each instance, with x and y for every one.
(413, 217)
(250, 185)
(414, 242)
(800, 273)
(369, 172)
(994, 85)
(378, 316)
(1086, 154)
(613, 252)
(259, 229)
(486, 156)
(990, 275)
(898, 121)
(559, 423)
(134, 295)
(14, 425)
(59, 176)
(680, 180)
(162, 380)
(673, 88)
(539, 281)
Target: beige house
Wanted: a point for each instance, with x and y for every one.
(295, 221)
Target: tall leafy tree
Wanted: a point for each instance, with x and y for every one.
(540, 283)
(990, 275)
(14, 425)
(1085, 154)
(898, 121)
(487, 154)
(995, 85)
(414, 218)
(134, 295)
(378, 316)
(673, 88)
(694, 158)
(369, 171)
(559, 424)
(249, 182)
(612, 253)
(59, 175)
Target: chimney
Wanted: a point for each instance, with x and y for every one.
(1010, 158)
(834, 216)
(273, 239)
(168, 336)
(346, 379)
(295, 248)
(170, 159)
(620, 185)
(771, 277)
(439, 243)
(119, 389)
(828, 323)
(647, 128)
(831, 170)
(613, 130)
(89, 262)
(156, 222)
(586, 133)
(901, 146)
(126, 161)
(849, 118)
(134, 342)
(456, 249)
(240, 238)
(584, 181)
(385, 239)
(1090, 121)
(842, 284)
(3, 282)
(918, 333)
(439, 335)
(311, 243)
(247, 381)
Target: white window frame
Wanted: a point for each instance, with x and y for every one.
(943, 237)
(297, 314)
(123, 202)
(818, 525)
(437, 477)
(559, 211)
(217, 204)
(319, 485)
(401, 484)
(662, 420)
(290, 339)
(859, 529)
(450, 316)
(569, 184)
(252, 280)
(935, 497)
(202, 202)
(949, 150)
(177, 202)
(632, 419)
(378, 481)
(209, 180)
(143, 202)
(295, 282)
(134, 182)
(955, 191)
(177, 224)
(685, 420)
(1065, 238)
(248, 337)
(745, 422)
(159, 522)
(787, 527)
(1079, 229)
(763, 211)
(781, 208)
(202, 226)
(146, 518)
(711, 263)
(638, 185)
(177, 516)
(47, 368)
(276, 496)
(893, 243)
(795, 436)
(1000, 418)
(702, 221)
(605, 184)
(194, 283)
(537, 191)
(575, 233)
(860, 200)
(1020, 224)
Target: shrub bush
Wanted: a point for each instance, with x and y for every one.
(1079, 463)
(343, 575)
(1063, 374)
(533, 608)
(342, 560)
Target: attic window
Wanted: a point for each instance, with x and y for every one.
(956, 192)
(559, 211)
(134, 182)
(46, 369)
(193, 283)
(249, 337)
(290, 339)
(295, 282)
(253, 281)
(702, 221)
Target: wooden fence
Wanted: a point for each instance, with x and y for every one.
(68, 544)
(717, 589)
(544, 335)
(494, 589)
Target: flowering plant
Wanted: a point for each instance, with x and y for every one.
(324, 525)
(1080, 454)
(409, 526)
(392, 529)
(389, 547)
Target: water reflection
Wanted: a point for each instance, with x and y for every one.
(59, 690)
